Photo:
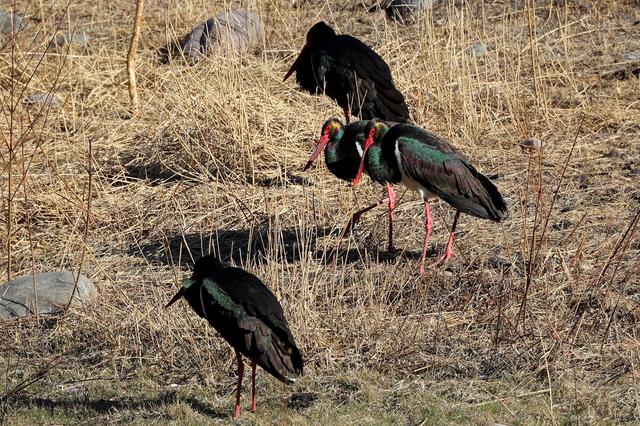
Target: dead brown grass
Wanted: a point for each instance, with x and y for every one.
(212, 163)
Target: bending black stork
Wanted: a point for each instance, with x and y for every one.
(435, 169)
(342, 157)
(349, 72)
(248, 316)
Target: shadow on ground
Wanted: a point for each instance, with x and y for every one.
(238, 246)
(107, 406)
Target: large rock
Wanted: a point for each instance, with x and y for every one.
(406, 10)
(53, 290)
(233, 31)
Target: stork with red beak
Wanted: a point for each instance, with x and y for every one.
(432, 167)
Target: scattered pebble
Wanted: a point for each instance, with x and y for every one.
(52, 293)
(531, 144)
(477, 50)
(9, 21)
(234, 31)
(562, 225)
(44, 99)
(631, 56)
(613, 153)
(79, 39)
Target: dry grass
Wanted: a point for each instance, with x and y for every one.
(212, 163)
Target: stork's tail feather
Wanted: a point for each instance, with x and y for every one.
(281, 358)
(392, 105)
(492, 201)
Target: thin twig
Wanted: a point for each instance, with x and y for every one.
(131, 57)
(555, 193)
(634, 224)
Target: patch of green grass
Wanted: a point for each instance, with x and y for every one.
(364, 397)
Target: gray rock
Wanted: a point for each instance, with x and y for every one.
(477, 50)
(531, 144)
(233, 31)
(53, 290)
(9, 21)
(79, 39)
(44, 99)
(631, 56)
(404, 10)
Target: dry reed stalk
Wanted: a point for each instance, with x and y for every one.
(131, 57)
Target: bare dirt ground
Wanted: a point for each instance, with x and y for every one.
(534, 321)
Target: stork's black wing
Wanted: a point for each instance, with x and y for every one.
(366, 79)
(440, 168)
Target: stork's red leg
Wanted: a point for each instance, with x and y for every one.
(253, 387)
(346, 115)
(240, 373)
(391, 196)
(356, 216)
(429, 227)
(452, 236)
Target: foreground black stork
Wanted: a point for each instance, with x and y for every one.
(349, 72)
(248, 316)
(342, 152)
(432, 167)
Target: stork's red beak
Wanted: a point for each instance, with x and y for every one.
(178, 295)
(322, 143)
(295, 63)
(367, 144)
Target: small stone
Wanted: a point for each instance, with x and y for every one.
(10, 22)
(562, 225)
(52, 292)
(531, 144)
(613, 153)
(477, 50)
(79, 39)
(631, 56)
(233, 31)
(44, 99)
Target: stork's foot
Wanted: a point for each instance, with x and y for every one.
(354, 219)
(448, 254)
(357, 215)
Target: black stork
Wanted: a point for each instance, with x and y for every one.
(432, 167)
(248, 316)
(342, 147)
(349, 72)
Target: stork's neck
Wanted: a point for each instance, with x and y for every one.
(380, 167)
(341, 148)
